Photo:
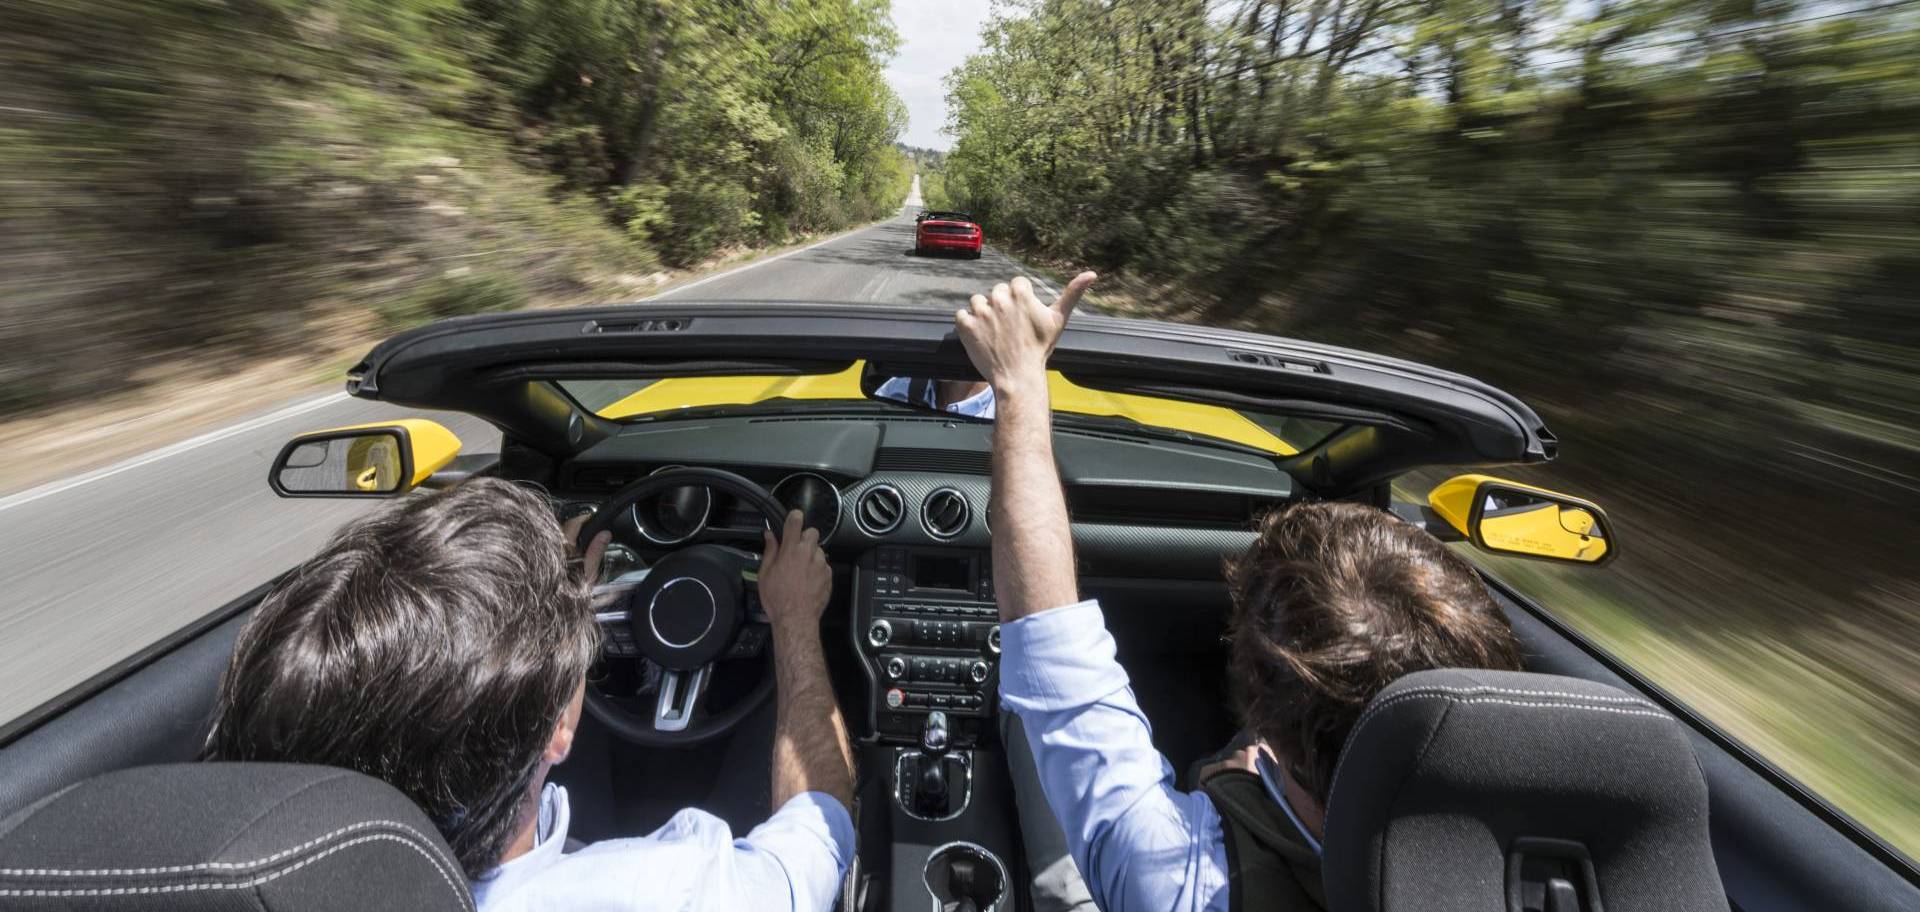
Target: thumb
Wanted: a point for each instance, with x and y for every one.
(1070, 298)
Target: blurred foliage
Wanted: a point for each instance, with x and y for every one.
(192, 178)
(1687, 232)
(451, 296)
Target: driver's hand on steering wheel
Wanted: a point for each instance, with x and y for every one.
(596, 549)
(795, 580)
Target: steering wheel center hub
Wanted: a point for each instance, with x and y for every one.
(682, 612)
(688, 610)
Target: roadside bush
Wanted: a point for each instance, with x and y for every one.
(451, 296)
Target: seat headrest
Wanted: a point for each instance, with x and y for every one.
(260, 836)
(1457, 787)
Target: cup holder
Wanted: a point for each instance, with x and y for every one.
(964, 877)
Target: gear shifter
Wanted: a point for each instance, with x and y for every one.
(930, 790)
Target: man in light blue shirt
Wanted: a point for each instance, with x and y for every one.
(442, 645)
(1332, 603)
(959, 397)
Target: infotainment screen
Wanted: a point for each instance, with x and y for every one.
(954, 574)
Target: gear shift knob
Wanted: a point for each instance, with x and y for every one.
(933, 739)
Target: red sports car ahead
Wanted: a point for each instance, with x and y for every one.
(947, 231)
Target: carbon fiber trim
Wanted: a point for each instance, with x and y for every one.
(1103, 548)
(914, 487)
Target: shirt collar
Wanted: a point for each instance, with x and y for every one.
(1271, 779)
(549, 844)
(978, 405)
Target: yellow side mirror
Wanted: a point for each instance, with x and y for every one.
(363, 460)
(1507, 517)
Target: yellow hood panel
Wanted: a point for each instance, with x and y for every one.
(702, 392)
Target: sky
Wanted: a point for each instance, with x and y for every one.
(935, 37)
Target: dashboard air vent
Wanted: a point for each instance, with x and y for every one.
(944, 513)
(925, 459)
(879, 509)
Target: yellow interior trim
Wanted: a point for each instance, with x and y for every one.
(698, 392)
(1207, 420)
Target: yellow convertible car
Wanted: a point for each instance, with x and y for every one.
(684, 427)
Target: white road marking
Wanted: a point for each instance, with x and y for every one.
(54, 487)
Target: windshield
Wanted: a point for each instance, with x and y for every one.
(625, 399)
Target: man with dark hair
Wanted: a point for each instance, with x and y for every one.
(1332, 603)
(442, 645)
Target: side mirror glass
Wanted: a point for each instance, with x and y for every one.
(379, 460)
(1507, 517)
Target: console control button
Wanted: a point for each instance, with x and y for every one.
(993, 640)
(879, 634)
(896, 667)
(978, 671)
(896, 698)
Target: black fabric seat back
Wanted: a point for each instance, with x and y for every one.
(240, 836)
(1488, 791)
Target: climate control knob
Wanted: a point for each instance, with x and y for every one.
(993, 640)
(880, 633)
(896, 668)
(978, 671)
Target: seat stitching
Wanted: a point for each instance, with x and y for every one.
(424, 851)
(1436, 690)
(1521, 692)
(465, 899)
(332, 776)
(211, 865)
(1458, 695)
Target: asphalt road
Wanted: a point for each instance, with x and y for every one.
(95, 567)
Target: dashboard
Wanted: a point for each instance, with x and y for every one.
(904, 504)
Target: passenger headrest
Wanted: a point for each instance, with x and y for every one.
(228, 836)
(1486, 790)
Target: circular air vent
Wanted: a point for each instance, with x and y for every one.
(879, 509)
(944, 513)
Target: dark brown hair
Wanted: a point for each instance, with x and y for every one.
(433, 645)
(1332, 603)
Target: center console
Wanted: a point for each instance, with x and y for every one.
(929, 637)
(937, 823)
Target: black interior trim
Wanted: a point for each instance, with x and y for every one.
(24, 724)
(1859, 835)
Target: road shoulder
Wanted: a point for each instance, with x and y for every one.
(171, 403)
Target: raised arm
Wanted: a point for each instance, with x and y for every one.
(1138, 842)
(1008, 335)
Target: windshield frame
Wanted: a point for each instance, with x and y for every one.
(1086, 408)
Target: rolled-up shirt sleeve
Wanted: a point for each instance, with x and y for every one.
(806, 844)
(1139, 842)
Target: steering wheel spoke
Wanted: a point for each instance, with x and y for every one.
(751, 642)
(680, 698)
(616, 639)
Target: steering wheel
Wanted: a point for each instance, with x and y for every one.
(688, 612)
